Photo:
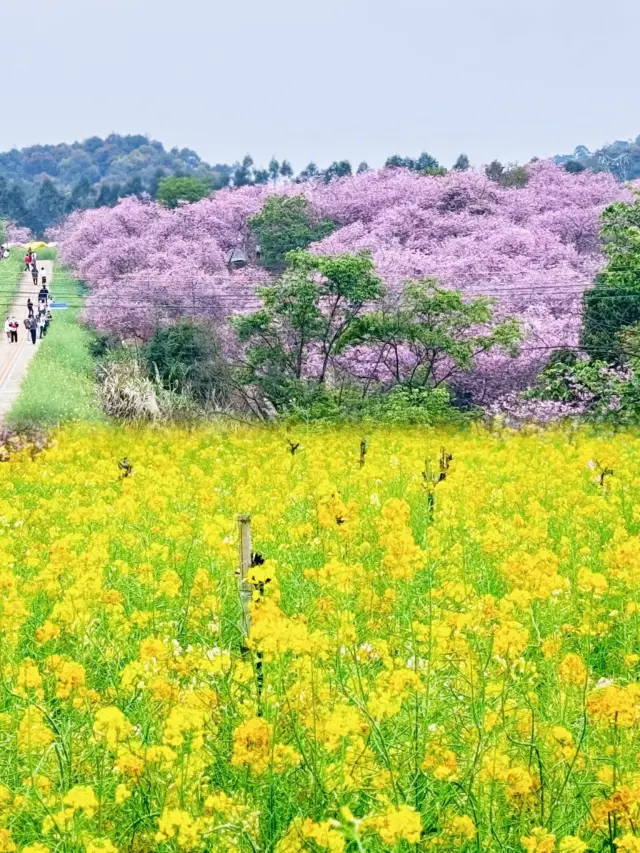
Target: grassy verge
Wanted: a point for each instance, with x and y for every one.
(59, 385)
(47, 254)
(10, 272)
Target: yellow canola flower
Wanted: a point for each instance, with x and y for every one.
(401, 822)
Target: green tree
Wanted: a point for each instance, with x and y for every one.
(48, 208)
(284, 224)
(462, 163)
(154, 183)
(338, 169)
(507, 176)
(261, 176)
(286, 170)
(242, 174)
(172, 191)
(494, 171)
(613, 303)
(306, 313)
(308, 173)
(274, 170)
(432, 334)
(186, 357)
(82, 195)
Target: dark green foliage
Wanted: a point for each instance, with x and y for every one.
(284, 224)
(574, 167)
(292, 323)
(171, 191)
(338, 169)
(421, 164)
(599, 392)
(507, 176)
(613, 304)
(308, 173)
(92, 173)
(286, 170)
(243, 172)
(82, 196)
(462, 163)
(186, 358)
(566, 377)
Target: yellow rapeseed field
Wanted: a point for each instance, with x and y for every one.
(448, 666)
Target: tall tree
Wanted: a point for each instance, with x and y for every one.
(432, 335)
(309, 309)
(338, 169)
(613, 304)
(48, 208)
(82, 195)
(274, 170)
(308, 173)
(462, 163)
(286, 170)
(242, 175)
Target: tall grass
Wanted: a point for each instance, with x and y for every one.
(59, 386)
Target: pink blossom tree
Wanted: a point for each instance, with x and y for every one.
(535, 249)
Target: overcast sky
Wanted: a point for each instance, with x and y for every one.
(324, 80)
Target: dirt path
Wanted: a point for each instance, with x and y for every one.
(15, 358)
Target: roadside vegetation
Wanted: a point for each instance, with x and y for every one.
(60, 385)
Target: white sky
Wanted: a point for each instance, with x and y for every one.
(355, 79)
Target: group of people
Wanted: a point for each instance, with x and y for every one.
(31, 265)
(35, 324)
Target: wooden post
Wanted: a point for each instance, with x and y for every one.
(363, 452)
(244, 564)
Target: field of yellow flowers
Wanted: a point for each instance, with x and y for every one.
(435, 664)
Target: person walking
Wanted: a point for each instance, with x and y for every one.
(33, 329)
(27, 262)
(34, 257)
(30, 307)
(42, 325)
(7, 328)
(13, 330)
(34, 274)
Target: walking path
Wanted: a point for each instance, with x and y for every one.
(15, 358)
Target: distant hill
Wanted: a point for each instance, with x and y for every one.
(621, 158)
(40, 184)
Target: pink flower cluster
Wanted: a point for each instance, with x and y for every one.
(535, 249)
(16, 235)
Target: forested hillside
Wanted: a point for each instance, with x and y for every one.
(39, 185)
(621, 158)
